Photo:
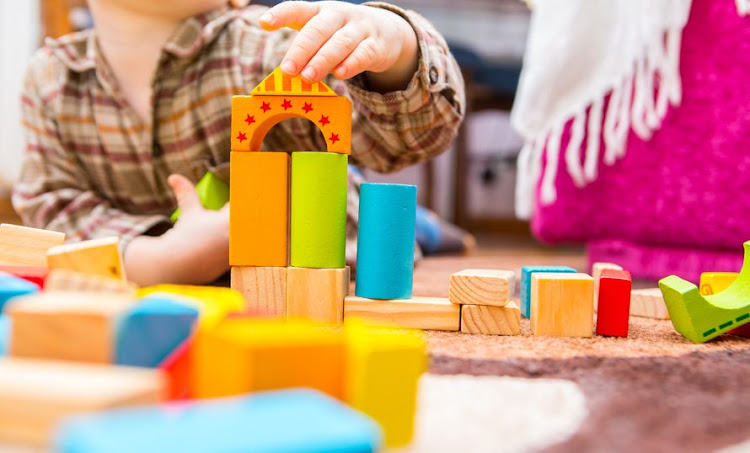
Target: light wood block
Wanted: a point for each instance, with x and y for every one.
(481, 287)
(22, 246)
(490, 320)
(67, 280)
(77, 326)
(36, 395)
(716, 282)
(96, 257)
(317, 294)
(596, 273)
(648, 303)
(562, 305)
(264, 289)
(427, 313)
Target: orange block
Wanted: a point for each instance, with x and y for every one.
(258, 218)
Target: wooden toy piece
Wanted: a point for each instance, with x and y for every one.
(491, 320)
(383, 370)
(66, 326)
(36, 395)
(702, 318)
(317, 294)
(67, 280)
(34, 274)
(297, 420)
(427, 313)
(177, 368)
(96, 257)
(279, 84)
(526, 273)
(4, 334)
(481, 287)
(213, 192)
(648, 303)
(214, 303)
(596, 273)
(151, 330)
(264, 289)
(614, 303)
(716, 282)
(23, 246)
(385, 248)
(242, 355)
(258, 215)
(562, 304)
(12, 286)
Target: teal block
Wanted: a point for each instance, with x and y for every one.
(291, 421)
(4, 334)
(213, 192)
(12, 286)
(526, 273)
(152, 329)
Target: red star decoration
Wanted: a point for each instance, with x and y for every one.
(265, 107)
(287, 104)
(334, 138)
(323, 120)
(308, 107)
(250, 119)
(241, 137)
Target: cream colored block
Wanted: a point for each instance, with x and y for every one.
(23, 246)
(427, 313)
(67, 280)
(596, 273)
(648, 303)
(96, 257)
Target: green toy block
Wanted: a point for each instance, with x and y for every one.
(702, 318)
(212, 191)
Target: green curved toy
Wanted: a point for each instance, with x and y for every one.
(702, 318)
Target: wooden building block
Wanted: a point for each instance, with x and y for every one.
(317, 294)
(67, 280)
(614, 303)
(178, 371)
(96, 257)
(716, 282)
(66, 325)
(34, 274)
(22, 246)
(258, 216)
(526, 273)
(242, 355)
(648, 303)
(596, 273)
(562, 305)
(481, 287)
(383, 370)
(213, 302)
(491, 320)
(36, 395)
(12, 286)
(264, 289)
(427, 313)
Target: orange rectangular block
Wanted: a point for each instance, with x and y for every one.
(258, 220)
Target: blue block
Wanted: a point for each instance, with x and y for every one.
(385, 243)
(4, 334)
(291, 421)
(526, 272)
(152, 329)
(12, 286)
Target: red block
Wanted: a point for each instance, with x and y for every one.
(614, 303)
(177, 367)
(33, 274)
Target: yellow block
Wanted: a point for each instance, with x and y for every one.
(383, 369)
(23, 246)
(716, 282)
(242, 355)
(562, 305)
(258, 218)
(95, 257)
(214, 303)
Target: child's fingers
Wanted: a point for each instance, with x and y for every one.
(239, 3)
(366, 57)
(184, 192)
(333, 52)
(310, 39)
(289, 14)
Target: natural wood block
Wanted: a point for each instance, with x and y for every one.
(67, 280)
(562, 305)
(36, 395)
(596, 273)
(77, 326)
(490, 320)
(427, 313)
(22, 246)
(317, 294)
(264, 289)
(716, 282)
(96, 257)
(614, 303)
(648, 303)
(481, 287)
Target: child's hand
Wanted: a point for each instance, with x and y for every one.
(346, 39)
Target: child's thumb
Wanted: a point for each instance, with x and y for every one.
(184, 191)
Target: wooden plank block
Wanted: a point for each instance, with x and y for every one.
(648, 303)
(481, 287)
(716, 282)
(526, 273)
(427, 313)
(36, 395)
(317, 294)
(23, 246)
(383, 370)
(258, 215)
(66, 325)
(491, 320)
(12, 286)
(242, 355)
(67, 280)
(614, 303)
(596, 273)
(96, 257)
(264, 289)
(562, 305)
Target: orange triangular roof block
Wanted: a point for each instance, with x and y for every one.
(280, 84)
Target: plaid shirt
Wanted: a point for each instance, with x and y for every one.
(92, 168)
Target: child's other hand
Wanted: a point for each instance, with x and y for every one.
(346, 40)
